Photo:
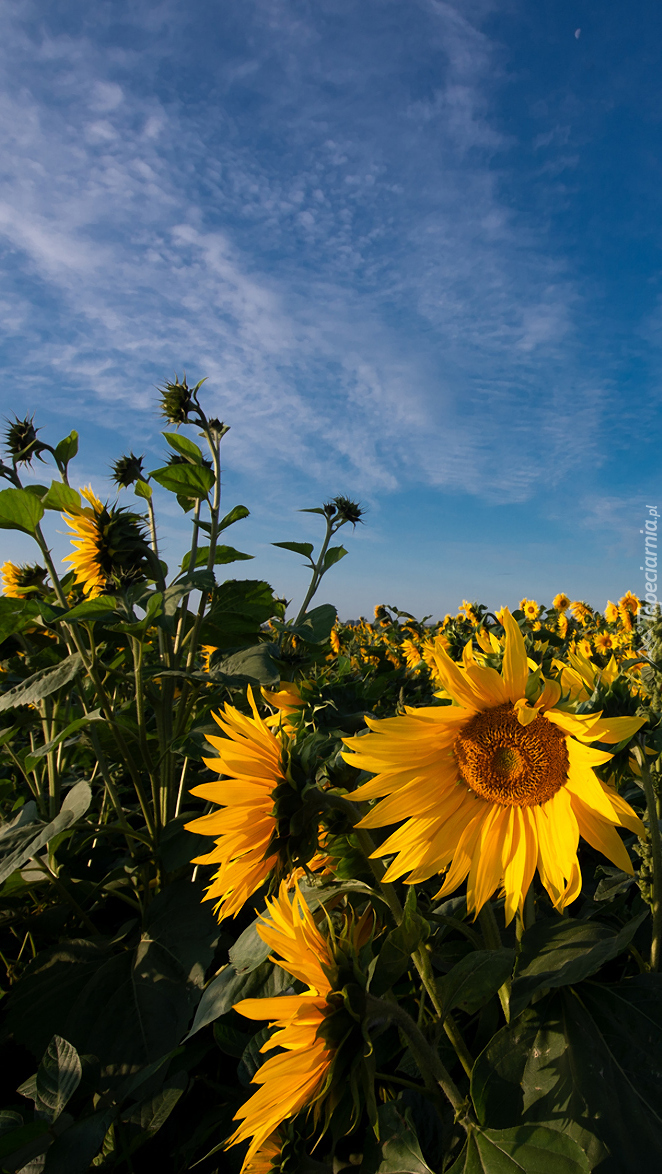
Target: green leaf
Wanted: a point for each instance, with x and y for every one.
(253, 666)
(398, 1150)
(58, 1077)
(304, 548)
(142, 489)
(31, 760)
(222, 555)
(333, 556)
(236, 514)
(16, 614)
(15, 1140)
(237, 611)
(153, 1112)
(526, 1074)
(73, 1151)
(315, 510)
(185, 480)
(228, 987)
(89, 610)
(614, 1036)
(184, 446)
(561, 951)
(474, 979)
(316, 625)
(394, 957)
(66, 450)
(61, 497)
(42, 683)
(131, 1007)
(20, 510)
(527, 1149)
(75, 804)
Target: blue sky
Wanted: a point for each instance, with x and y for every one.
(414, 245)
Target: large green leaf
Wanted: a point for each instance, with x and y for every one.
(315, 627)
(61, 497)
(72, 1152)
(228, 987)
(614, 1035)
(560, 951)
(16, 614)
(89, 610)
(255, 666)
(398, 1150)
(20, 510)
(527, 1149)
(474, 979)
(526, 1075)
(237, 611)
(130, 1007)
(185, 480)
(75, 805)
(303, 548)
(184, 446)
(42, 684)
(66, 450)
(235, 515)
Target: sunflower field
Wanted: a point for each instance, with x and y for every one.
(285, 894)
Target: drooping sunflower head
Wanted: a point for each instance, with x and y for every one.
(561, 602)
(21, 441)
(495, 785)
(260, 828)
(468, 611)
(326, 1056)
(19, 581)
(110, 546)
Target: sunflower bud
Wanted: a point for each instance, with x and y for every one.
(21, 441)
(127, 470)
(218, 429)
(177, 401)
(347, 511)
(18, 581)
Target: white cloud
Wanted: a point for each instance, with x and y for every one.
(340, 262)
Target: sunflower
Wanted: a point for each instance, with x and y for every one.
(19, 581)
(562, 625)
(252, 825)
(603, 642)
(495, 785)
(299, 1076)
(110, 547)
(286, 701)
(630, 603)
(334, 640)
(581, 611)
(611, 612)
(266, 1158)
(411, 654)
(530, 608)
(560, 602)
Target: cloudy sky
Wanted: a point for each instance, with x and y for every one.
(414, 245)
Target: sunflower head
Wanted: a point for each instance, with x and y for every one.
(18, 581)
(581, 611)
(342, 509)
(178, 400)
(496, 785)
(21, 441)
(629, 603)
(111, 551)
(530, 608)
(611, 612)
(127, 470)
(561, 602)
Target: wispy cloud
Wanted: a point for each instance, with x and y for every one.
(313, 216)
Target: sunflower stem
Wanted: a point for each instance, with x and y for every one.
(656, 850)
(432, 1070)
(492, 939)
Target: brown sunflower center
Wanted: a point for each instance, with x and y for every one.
(507, 763)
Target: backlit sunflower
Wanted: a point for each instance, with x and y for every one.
(299, 1077)
(266, 1158)
(495, 785)
(257, 798)
(19, 581)
(110, 546)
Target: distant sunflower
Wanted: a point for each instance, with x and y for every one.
(530, 608)
(19, 581)
(110, 546)
(300, 1076)
(561, 602)
(611, 612)
(495, 785)
(581, 611)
